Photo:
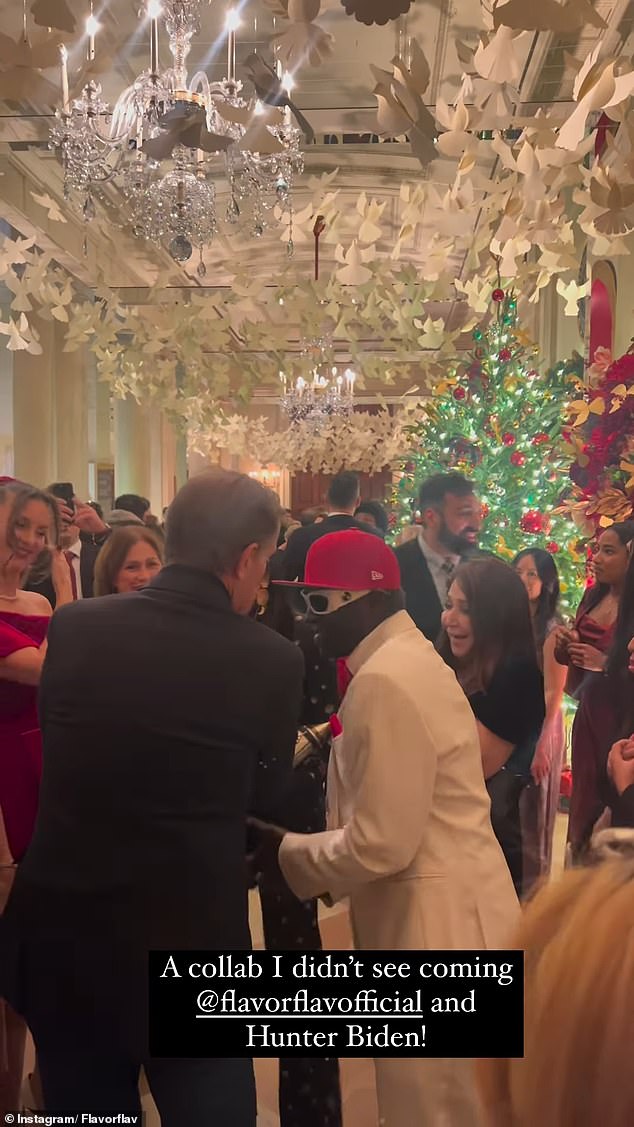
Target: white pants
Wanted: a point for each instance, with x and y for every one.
(427, 1092)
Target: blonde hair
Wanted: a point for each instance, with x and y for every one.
(578, 938)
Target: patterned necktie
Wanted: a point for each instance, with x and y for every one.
(448, 568)
(73, 578)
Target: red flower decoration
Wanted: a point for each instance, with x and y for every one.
(534, 522)
(505, 355)
(621, 370)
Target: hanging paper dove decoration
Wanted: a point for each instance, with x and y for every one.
(53, 13)
(572, 293)
(459, 141)
(353, 273)
(369, 231)
(615, 205)
(401, 109)
(51, 206)
(303, 41)
(21, 79)
(184, 127)
(596, 87)
(20, 53)
(547, 15)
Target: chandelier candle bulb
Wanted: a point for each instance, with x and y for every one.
(92, 27)
(232, 23)
(154, 64)
(63, 54)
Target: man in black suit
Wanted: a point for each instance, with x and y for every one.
(167, 715)
(451, 520)
(343, 498)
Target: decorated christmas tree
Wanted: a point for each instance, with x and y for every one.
(498, 420)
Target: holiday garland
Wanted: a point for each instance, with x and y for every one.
(601, 440)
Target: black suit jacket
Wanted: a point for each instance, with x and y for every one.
(166, 717)
(421, 596)
(87, 560)
(297, 548)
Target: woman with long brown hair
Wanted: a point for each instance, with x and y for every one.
(129, 561)
(488, 640)
(589, 652)
(29, 535)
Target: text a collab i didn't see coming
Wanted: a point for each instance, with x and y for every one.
(328, 966)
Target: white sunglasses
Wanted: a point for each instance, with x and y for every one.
(325, 602)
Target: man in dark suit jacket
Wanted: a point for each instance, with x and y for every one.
(167, 715)
(343, 497)
(451, 520)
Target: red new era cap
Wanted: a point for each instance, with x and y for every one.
(350, 561)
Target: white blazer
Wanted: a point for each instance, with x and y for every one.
(409, 836)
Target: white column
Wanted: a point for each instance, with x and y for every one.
(132, 448)
(71, 413)
(33, 410)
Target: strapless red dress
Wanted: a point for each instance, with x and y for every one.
(20, 740)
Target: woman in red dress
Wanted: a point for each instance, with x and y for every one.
(585, 650)
(29, 525)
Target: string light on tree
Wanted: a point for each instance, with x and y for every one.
(498, 420)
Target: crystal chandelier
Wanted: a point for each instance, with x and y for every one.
(169, 137)
(324, 392)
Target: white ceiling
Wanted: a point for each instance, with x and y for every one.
(336, 97)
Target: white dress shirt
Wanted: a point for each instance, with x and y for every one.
(440, 567)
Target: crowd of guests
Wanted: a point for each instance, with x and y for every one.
(428, 685)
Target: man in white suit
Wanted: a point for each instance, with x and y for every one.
(409, 838)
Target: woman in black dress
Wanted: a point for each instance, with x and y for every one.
(488, 640)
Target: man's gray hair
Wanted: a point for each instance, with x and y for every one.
(215, 516)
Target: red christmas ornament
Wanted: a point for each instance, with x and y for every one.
(498, 295)
(552, 547)
(541, 438)
(505, 355)
(532, 522)
(517, 458)
(459, 393)
(485, 510)
(508, 439)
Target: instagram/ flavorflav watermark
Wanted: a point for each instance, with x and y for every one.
(81, 1118)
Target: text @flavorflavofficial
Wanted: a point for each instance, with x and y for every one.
(399, 1003)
